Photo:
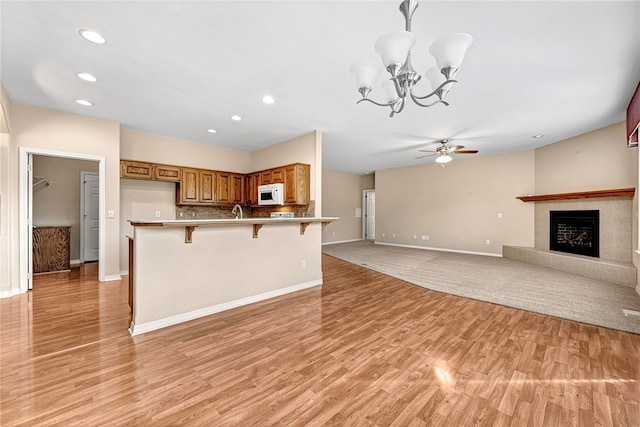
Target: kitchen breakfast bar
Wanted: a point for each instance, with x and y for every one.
(181, 270)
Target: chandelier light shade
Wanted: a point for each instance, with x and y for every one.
(394, 49)
(365, 73)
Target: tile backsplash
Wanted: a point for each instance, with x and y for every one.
(203, 212)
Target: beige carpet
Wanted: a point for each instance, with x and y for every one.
(501, 281)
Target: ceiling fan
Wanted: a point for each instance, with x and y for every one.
(444, 151)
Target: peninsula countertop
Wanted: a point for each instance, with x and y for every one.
(191, 224)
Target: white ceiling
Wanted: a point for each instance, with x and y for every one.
(178, 68)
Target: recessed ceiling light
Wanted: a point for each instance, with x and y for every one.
(211, 130)
(87, 77)
(84, 102)
(268, 99)
(236, 117)
(92, 36)
(537, 136)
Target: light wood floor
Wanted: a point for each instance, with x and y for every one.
(363, 349)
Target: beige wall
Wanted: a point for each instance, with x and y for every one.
(141, 199)
(68, 134)
(457, 206)
(341, 196)
(135, 145)
(59, 202)
(598, 160)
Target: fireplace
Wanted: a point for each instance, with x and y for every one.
(575, 232)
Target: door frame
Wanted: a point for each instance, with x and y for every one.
(26, 246)
(83, 174)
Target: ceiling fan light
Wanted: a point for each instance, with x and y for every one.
(394, 47)
(449, 50)
(443, 158)
(365, 73)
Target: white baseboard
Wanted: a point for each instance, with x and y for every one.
(112, 277)
(441, 249)
(75, 262)
(207, 311)
(124, 273)
(341, 241)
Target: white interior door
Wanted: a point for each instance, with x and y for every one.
(369, 218)
(89, 216)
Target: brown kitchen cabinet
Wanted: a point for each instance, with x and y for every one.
(272, 176)
(136, 170)
(188, 189)
(230, 188)
(251, 185)
(197, 187)
(151, 171)
(207, 186)
(167, 173)
(297, 185)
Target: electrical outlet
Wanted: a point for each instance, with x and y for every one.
(383, 235)
(487, 242)
(393, 235)
(303, 263)
(157, 214)
(499, 215)
(415, 237)
(424, 237)
(111, 214)
(334, 233)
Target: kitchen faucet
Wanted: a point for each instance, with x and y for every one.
(235, 210)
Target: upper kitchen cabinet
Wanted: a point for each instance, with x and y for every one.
(146, 170)
(167, 173)
(272, 176)
(196, 187)
(230, 188)
(297, 186)
(136, 170)
(251, 185)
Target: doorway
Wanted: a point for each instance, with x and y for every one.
(369, 214)
(26, 210)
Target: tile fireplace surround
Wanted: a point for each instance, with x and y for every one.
(615, 262)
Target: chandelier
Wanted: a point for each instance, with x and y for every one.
(395, 51)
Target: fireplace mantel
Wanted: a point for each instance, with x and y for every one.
(618, 192)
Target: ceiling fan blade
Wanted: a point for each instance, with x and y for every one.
(466, 151)
(456, 148)
(426, 155)
(428, 151)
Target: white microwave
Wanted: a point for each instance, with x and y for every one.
(271, 194)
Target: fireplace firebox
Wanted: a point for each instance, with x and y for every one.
(575, 232)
